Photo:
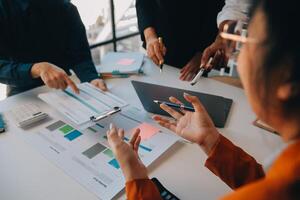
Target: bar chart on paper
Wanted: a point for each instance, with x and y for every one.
(85, 154)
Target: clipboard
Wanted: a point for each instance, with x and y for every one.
(217, 107)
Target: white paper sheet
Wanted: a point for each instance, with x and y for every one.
(80, 107)
(85, 156)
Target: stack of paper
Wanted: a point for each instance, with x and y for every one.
(120, 64)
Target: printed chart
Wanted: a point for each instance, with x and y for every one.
(79, 108)
(85, 154)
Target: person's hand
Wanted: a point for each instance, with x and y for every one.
(127, 153)
(99, 83)
(190, 70)
(196, 127)
(53, 76)
(155, 50)
(217, 51)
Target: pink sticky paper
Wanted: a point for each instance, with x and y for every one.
(147, 131)
(125, 61)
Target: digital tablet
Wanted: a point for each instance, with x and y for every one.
(217, 107)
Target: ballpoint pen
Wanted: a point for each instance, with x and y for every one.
(200, 73)
(173, 105)
(161, 62)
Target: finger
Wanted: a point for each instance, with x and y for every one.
(174, 100)
(121, 133)
(158, 118)
(112, 134)
(102, 85)
(167, 125)
(183, 69)
(206, 55)
(52, 83)
(215, 61)
(137, 143)
(185, 73)
(158, 52)
(71, 84)
(195, 102)
(151, 54)
(134, 136)
(176, 115)
(190, 77)
(62, 84)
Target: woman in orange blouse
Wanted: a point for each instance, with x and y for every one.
(269, 68)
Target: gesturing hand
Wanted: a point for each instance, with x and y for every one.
(53, 76)
(127, 153)
(196, 127)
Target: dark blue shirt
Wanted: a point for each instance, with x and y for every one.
(33, 31)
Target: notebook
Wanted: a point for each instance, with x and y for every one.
(217, 107)
(120, 63)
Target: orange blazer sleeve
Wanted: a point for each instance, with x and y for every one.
(234, 166)
(142, 189)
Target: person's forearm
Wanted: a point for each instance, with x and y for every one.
(233, 165)
(209, 143)
(14, 73)
(146, 13)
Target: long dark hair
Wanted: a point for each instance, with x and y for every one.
(283, 48)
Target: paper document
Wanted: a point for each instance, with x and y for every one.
(116, 63)
(79, 108)
(85, 154)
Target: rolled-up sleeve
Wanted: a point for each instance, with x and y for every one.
(234, 10)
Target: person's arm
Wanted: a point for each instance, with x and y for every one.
(79, 54)
(15, 73)
(233, 10)
(233, 165)
(142, 189)
(145, 16)
(138, 184)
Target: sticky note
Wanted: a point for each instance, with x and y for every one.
(126, 61)
(147, 131)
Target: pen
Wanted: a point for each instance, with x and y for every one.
(173, 105)
(200, 73)
(161, 62)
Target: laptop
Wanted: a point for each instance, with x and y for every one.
(217, 107)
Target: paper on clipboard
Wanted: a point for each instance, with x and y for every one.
(79, 108)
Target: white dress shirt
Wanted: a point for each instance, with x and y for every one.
(234, 10)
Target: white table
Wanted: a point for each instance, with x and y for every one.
(26, 174)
